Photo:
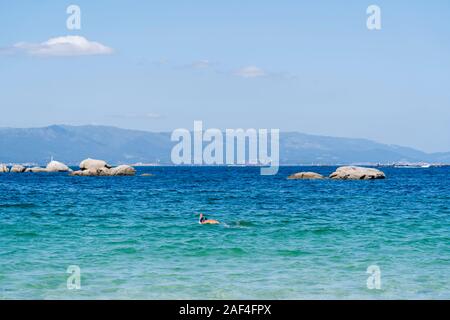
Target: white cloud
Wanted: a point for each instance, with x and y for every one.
(64, 46)
(153, 115)
(150, 115)
(201, 64)
(250, 72)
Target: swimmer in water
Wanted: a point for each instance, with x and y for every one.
(204, 220)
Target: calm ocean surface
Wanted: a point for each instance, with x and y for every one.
(138, 237)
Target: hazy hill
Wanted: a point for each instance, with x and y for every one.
(71, 144)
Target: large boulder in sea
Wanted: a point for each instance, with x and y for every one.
(17, 168)
(357, 173)
(36, 170)
(3, 168)
(89, 163)
(123, 170)
(56, 166)
(306, 175)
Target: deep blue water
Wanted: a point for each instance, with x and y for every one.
(138, 237)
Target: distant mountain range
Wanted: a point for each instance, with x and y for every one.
(71, 144)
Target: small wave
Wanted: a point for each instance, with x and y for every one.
(18, 205)
(127, 250)
(124, 242)
(325, 230)
(235, 251)
(239, 224)
(291, 253)
(26, 234)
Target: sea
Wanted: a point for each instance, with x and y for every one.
(64, 237)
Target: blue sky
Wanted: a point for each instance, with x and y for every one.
(308, 66)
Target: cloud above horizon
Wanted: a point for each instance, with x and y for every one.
(250, 72)
(201, 64)
(63, 46)
(149, 115)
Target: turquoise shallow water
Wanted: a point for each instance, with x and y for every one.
(138, 237)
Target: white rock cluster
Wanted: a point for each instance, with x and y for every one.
(93, 167)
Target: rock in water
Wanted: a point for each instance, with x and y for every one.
(79, 173)
(56, 166)
(94, 172)
(93, 164)
(36, 170)
(18, 168)
(3, 168)
(357, 173)
(305, 175)
(123, 170)
(92, 167)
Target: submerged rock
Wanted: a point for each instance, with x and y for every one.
(306, 175)
(357, 173)
(147, 175)
(17, 168)
(3, 168)
(93, 164)
(56, 166)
